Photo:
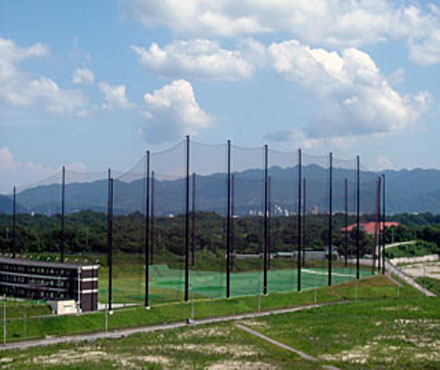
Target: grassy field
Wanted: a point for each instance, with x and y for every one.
(33, 328)
(381, 331)
(386, 333)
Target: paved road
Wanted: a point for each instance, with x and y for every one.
(148, 329)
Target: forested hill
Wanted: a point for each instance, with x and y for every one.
(407, 191)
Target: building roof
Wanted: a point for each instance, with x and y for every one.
(368, 227)
(27, 262)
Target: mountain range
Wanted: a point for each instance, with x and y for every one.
(411, 191)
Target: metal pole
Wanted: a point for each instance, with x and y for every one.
(152, 220)
(265, 218)
(376, 250)
(4, 318)
(14, 224)
(384, 223)
(358, 223)
(193, 233)
(147, 232)
(330, 220)
(228, 226)
(269, 220)
(63, 192)
(346, 222)
(232, 218)
(304, 223)
(110, 238)
(187, 223)
(299, 218)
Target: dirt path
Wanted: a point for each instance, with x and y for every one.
(148, 329)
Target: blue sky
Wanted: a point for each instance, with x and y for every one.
(94, 84)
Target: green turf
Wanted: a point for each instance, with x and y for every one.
(167, 284)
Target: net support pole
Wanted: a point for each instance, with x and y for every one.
(346, 222)
(147, 231)
(187, 221)
(110, 239)
(269, 221)
(63, 200)
(193, 221)
(376, 248)
(232, 218)
(228, 226)
(266, 161)
(330, 219)
(383, 223)
(358, 211)
(152, 220)
(304, 225)
(14, 223)
(299, 239)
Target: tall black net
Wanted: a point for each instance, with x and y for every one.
(169, 244)
(248, 221)
(317, 248)
(344, 226)
(209, 202)
(370, 222)
(128, 239)
(85, 224)
(283, 221)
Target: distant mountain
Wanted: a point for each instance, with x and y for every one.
(407, 191)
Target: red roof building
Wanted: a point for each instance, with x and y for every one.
(368, 227)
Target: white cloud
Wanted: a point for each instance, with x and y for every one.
(335, 23)
(353, 97)
(83, 76)
(173, 112)
(114, 97)
(203, 59)
(18, 88)
(23, 174)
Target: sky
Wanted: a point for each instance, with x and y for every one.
(94, 84)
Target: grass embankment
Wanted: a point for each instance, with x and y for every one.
(433, 285)
(33, 328)
(383, 331)
(418, 249)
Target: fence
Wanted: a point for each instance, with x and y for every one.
(204, 221)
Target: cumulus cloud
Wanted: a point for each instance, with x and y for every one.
(336, 23)
(172, 112)
(27, 173)
(203, 59)
(354, 98)
(83, 76)
(18, 88)
(114, 97)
